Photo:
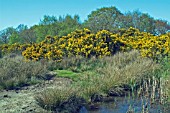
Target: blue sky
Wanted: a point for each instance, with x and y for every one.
(29, 12)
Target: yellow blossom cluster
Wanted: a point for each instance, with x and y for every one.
(79, 42)
(148, 44)
(13, 48)
(47, 49)
(87, 44)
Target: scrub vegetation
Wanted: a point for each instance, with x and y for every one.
(95, 61)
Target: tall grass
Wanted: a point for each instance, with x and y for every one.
(15, 72)
(156, 89)
(78, 64)
(109, 73)
(164, 75)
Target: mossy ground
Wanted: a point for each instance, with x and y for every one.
(68, 74)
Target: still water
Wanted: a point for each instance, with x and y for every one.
(123, 104)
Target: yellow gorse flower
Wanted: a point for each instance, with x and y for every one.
(87, 44)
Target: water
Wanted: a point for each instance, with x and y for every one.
(123, 104)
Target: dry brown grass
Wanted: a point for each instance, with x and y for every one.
(51, 98)
(126, 68)
(15, 72)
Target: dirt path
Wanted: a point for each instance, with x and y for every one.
(22, 101)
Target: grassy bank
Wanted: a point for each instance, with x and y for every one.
(108, 76)
(92, 79)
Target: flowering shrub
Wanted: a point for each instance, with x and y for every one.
(80, 42)
(87, 44)
(14, 48)
(47, 49)
(148, 44)
(103, 43)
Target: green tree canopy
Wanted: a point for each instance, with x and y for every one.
(6, 33)
(103, 18)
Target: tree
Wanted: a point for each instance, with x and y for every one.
(6, 33)
(48, 20)
(28, 36)
(68, 24)
(41, 32)
(161, 27)
(147, 23)
(136, 19)
(21, 28)
(103, 18)
(15, 36)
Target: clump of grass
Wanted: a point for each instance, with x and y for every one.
(15, 72)
(71, 63)
(126, 68)
(51, 98)
(59, 100)
(130, 110)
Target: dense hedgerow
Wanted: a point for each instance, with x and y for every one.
(87, 44)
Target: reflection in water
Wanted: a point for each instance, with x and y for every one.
(123, 104)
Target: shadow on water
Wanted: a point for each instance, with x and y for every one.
(125, 104)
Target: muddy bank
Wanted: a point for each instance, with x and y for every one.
(22, 100)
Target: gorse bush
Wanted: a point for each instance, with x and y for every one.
(87, 44)
(15, 72)
(13, 48)
(103, 43)
(47, 49)
(149, 45)
(78, 43)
